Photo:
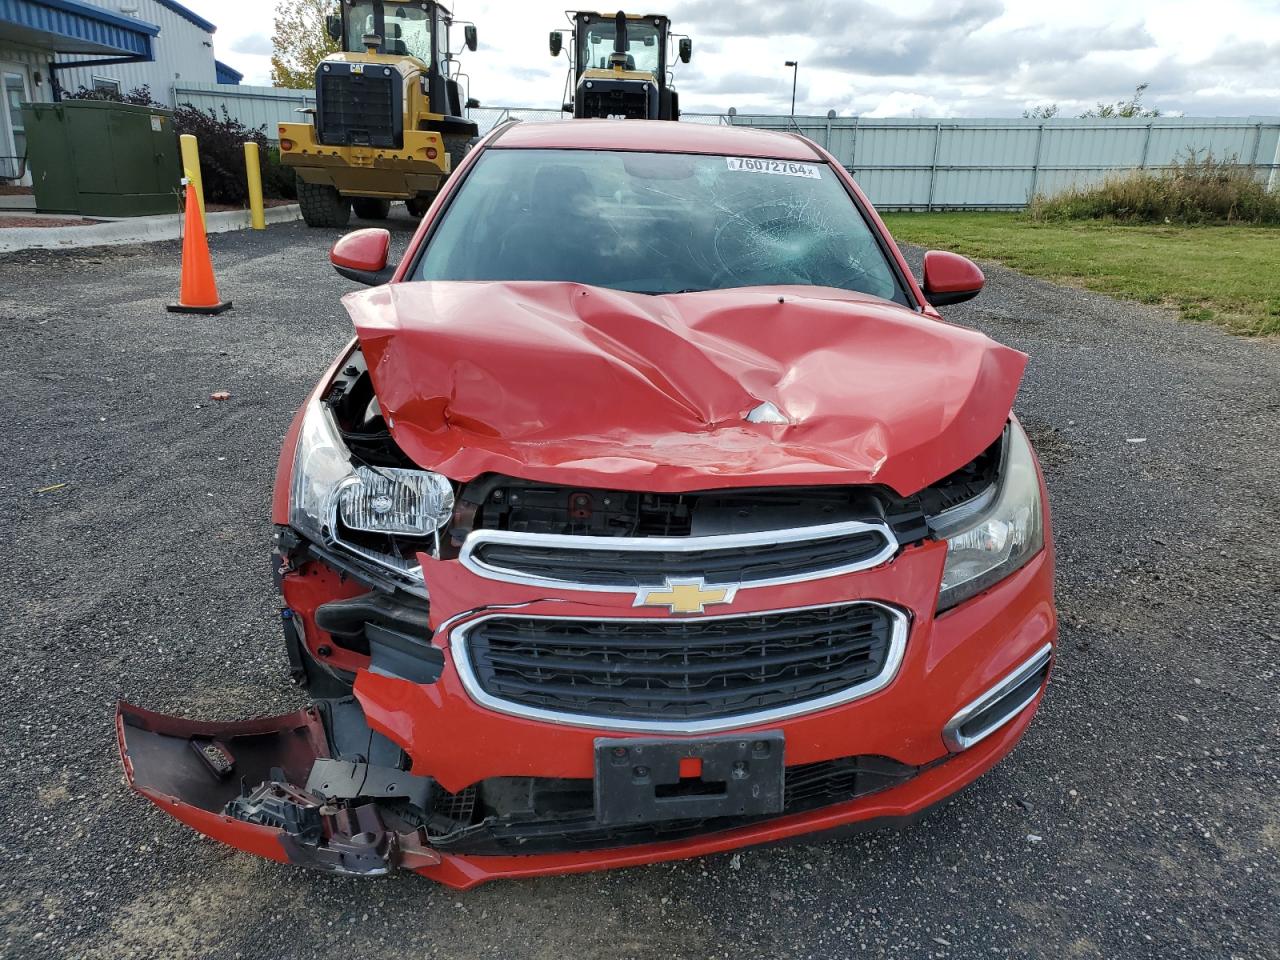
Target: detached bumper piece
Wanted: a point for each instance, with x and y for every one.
(275, 788)
(271, 787)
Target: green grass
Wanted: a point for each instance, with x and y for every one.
(1228, 275)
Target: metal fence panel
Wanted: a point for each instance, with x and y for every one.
(927, 164)
(256, 107)
(916, 163)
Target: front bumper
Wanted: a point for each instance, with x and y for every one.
(949, 664)
(359, 850)
(419, 167)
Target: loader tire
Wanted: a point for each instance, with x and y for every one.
(371, 208)
(322, 205)
(456, 145)
(417, 207)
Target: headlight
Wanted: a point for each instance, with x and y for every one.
(321, 465)
(329, 490)
(392, 500)
(986, 545)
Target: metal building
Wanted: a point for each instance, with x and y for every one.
(52, 46)
(183, 50)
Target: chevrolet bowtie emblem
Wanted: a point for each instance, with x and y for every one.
(685, 596)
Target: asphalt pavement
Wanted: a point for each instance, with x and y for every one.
(1140, 816)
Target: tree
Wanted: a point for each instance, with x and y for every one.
(300, 42)
(1045, 111)
(1127, 109)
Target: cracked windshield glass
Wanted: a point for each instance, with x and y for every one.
(656, 223)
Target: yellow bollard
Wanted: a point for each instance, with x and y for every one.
(191, 168)
(253, 172)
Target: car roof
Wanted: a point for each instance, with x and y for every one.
(653, 135)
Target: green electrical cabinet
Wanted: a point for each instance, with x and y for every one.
(104, 159)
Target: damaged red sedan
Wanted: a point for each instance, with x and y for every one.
(654, 511)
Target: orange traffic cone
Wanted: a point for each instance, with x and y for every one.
(199, 292)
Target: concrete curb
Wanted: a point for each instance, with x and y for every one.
(133, 230)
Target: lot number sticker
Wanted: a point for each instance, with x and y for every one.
(784, 168)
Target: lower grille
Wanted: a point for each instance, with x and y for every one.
(556, 816)
(680, 674)
(617, 99)
(616, 104)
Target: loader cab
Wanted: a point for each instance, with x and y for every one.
(620, 66)
(392, 75)
(416, 29)
(402, 29)
(645, 45)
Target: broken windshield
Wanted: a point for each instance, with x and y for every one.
(656, 223)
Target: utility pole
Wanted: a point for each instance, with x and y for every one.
(795, 72)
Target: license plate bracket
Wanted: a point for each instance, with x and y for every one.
(652, 780)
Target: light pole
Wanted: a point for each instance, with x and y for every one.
(795, 72)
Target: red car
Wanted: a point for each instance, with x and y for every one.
(654, 511)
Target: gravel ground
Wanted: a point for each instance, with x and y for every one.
(1139, 817)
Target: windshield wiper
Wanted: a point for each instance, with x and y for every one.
(664, 293)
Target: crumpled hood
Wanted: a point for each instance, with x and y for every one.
(571, 384)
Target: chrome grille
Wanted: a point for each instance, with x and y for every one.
(679, 674)
(766, 558)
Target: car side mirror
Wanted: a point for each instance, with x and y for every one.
(950, 278)
(333, 24)
(473, 103)
(469, 32)
(686, 49)
(557, 42)
(362, 256)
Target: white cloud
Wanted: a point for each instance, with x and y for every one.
(882, 57)
(254, 44)
(899, 104)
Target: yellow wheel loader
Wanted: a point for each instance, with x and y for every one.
(620, 66)
(388, 122)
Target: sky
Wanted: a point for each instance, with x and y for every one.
(967, 58)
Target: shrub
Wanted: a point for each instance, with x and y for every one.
(222, 143)
(138, 95)
(1197, 190)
